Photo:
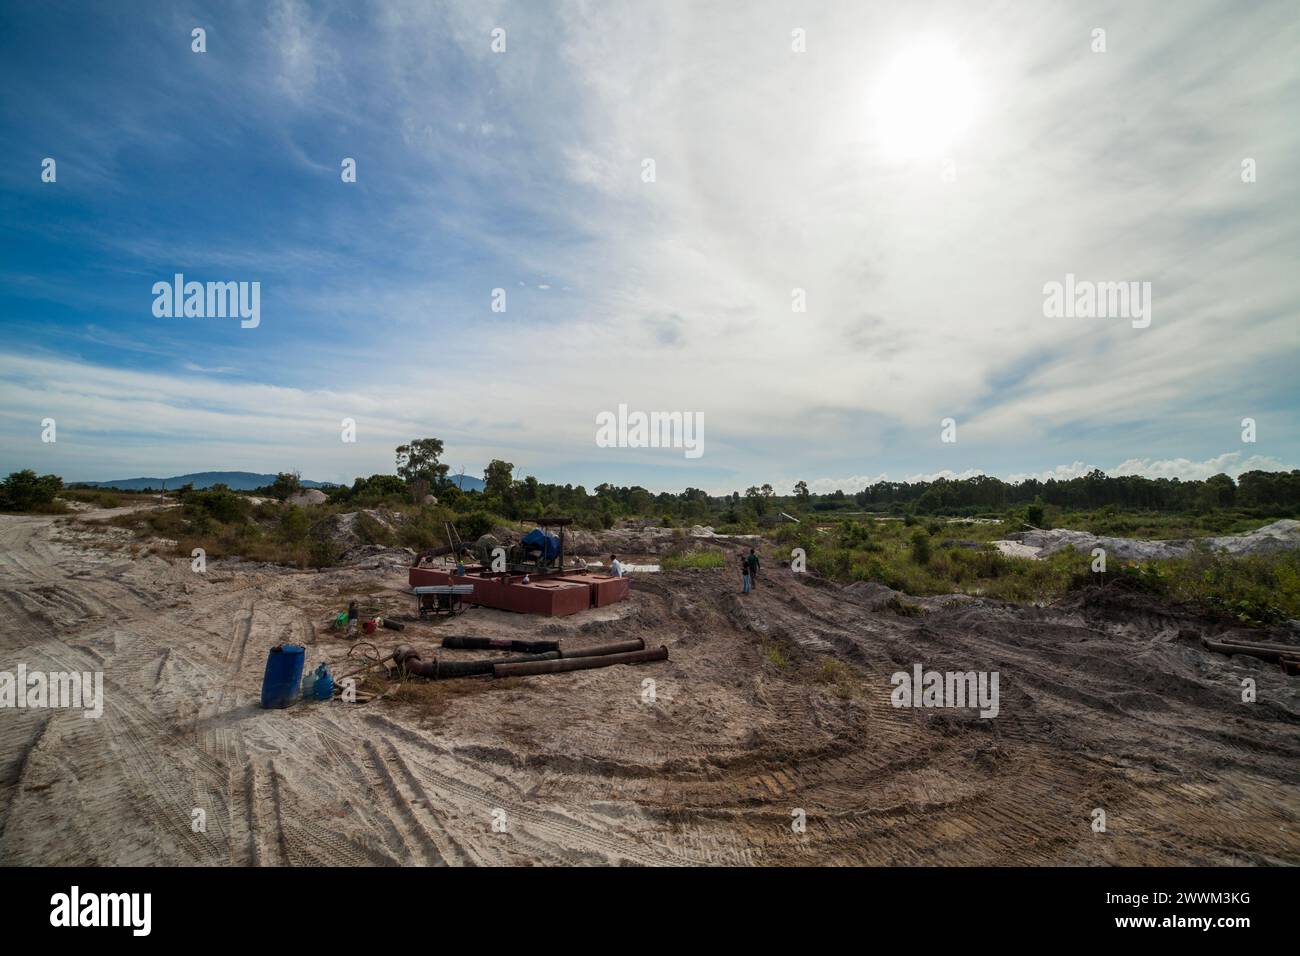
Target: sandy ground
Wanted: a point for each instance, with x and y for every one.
(1106, 702)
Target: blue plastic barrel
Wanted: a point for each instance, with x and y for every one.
(283, 675)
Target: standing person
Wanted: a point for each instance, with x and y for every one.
(615, 569)
(744, 575)
(752, 561)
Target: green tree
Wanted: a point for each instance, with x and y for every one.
(418, 461)
(1034, 514)
(1219, 491)
(365, 490)
(286, 483)
(498, 476)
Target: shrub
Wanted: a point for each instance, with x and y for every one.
(853, 534)
(920, 547)
(218, 503)
(1254, 590)
(473, 525)
(835, 563)
(23, 491)
(371, 531)
(293, 524)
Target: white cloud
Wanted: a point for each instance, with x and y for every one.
(1229, 463)
(924, 297)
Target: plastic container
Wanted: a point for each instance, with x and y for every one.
(324, 683)
(283, 675)
(318, 685)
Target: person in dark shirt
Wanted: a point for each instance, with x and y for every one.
(752, 563)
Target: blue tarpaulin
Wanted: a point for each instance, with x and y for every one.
(544, 541)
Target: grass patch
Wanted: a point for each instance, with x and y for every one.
(776, 656)
(694, 561)
(839, 676)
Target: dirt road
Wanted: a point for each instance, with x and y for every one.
(773, 705)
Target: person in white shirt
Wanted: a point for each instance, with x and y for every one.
(615, 569)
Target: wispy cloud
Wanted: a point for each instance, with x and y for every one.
(525, 171)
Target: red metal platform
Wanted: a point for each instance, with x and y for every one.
(551, 595)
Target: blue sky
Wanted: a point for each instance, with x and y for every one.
(923, 268)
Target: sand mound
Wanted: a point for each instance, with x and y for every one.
(1278, 536)
(308, 496)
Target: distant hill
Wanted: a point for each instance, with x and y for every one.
(238, 481)
(234, 480)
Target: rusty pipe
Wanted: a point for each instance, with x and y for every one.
(1260, 645)
(598, 650)
(438, 669)
(1283, 652)
(528, 668)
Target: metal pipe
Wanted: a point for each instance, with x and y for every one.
(439, 552)
(598, 650)
(1262, 645)
(1283, 652)
(438, 669)
(444, 669)
(578, 663)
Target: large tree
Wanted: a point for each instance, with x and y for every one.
(418, 461)
(498, 477)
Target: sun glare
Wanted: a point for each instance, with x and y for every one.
(923, 102)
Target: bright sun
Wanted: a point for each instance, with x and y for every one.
(923, 102)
